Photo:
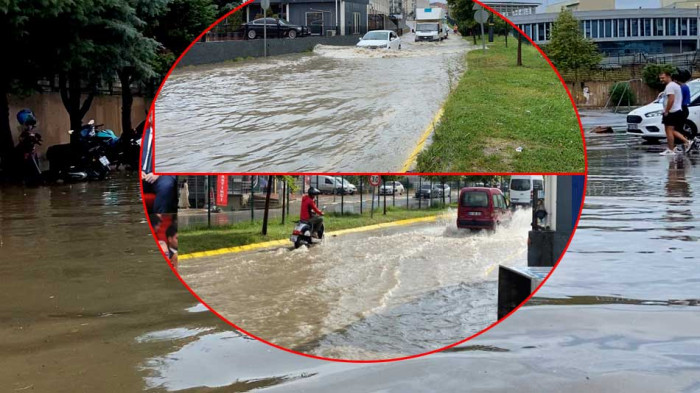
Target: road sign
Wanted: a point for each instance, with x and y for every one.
(265, 4)
(375, 180)
(481, 16)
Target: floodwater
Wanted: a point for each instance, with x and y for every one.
(373, 295)
(338, 109)
(89, 305)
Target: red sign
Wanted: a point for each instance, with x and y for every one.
(221, 190)
(375, 180)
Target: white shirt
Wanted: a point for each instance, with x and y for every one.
(674, 89)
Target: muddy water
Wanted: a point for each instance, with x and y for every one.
(81, 281)
(378, 294)
(338, 109)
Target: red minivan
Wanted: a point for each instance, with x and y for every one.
(482, 208)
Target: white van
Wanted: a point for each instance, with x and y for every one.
(332, 185)
(521, 189)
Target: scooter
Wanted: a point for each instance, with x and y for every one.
(25, 152)
(302, 236)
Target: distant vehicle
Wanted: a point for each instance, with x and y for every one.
(646, 121)
(276, 28)
(482, 208)
(391, 187)
(380, 39)
(521, 189)
(430, 24)
(425, 191)
(332, 185)
(347, 187)
(441, 189)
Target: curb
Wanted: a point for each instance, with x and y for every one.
(421, 142)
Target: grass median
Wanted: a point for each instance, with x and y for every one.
(248, 232)
(498, 107)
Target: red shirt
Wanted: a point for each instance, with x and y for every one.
(307, 206)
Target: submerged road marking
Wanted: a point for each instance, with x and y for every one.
(421, 142)
(282, 242)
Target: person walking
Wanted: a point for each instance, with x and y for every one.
(673, 113)
(184, 196)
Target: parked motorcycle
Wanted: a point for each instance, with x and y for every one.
(26, 157)
(302, 234)
(85, 161)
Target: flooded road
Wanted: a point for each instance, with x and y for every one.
(338, 109)
(372, 295)
(619, 315)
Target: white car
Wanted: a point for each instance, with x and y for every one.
(391, 187)
(646, 121)
(380, 39)
(348, 187)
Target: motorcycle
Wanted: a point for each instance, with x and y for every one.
(302, 235)
(27, 158)
(87, 161)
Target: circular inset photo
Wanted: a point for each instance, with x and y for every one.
(357, 88)
(365, 268)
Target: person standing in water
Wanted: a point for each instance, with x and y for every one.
(672, 114)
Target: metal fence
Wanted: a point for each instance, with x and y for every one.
(285, 206)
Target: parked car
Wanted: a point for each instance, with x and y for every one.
(391, 187)
(482, 208)
(276, 28)
(441, 189)
(522, 188)
(425, 191)
(380, 39)
(347, 188)
(646, 121)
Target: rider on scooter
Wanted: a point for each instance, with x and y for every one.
(309, 212)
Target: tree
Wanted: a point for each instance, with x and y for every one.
(568, 49)
(137, 58)
(182, 22)
(651, 73)
(28, 63)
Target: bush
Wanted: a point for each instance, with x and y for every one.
(622, 93)
(651, 74)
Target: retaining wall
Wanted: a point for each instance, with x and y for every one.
(217, 52)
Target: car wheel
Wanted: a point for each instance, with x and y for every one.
(292, 34)
(252, 34)
(689, 129)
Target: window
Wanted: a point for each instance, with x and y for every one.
(540, 32)
(646, 29)
(670, 26)
(621, 28)
(537, 184)
(594, 31)
(520, 184)
(658, 27)
(528, 30)
(498, 201)
(634, 27)
(608, 28)
(495, 200)
(693, 27)
(475, 199)
(328, 181)
(684, 26)
(587, 29)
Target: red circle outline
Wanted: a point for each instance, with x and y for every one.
(151, 121)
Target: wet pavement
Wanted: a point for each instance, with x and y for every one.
(306, 111)
(372, 295)
(619, 315)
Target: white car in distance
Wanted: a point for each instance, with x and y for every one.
(380, 39)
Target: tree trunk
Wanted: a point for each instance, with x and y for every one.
(267, 204)
(125, 77)
(69, 86)
(520, 49)
(7, 144)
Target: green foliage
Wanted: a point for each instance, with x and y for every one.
(183, 21)
(651, 73)
(568, 49)
(622, 93)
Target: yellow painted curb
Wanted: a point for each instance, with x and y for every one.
(282, 242)
(421, 142)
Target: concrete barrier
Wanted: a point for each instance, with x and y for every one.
(217, 52)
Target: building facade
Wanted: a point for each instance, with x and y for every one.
(622, 31)
(343, 17)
